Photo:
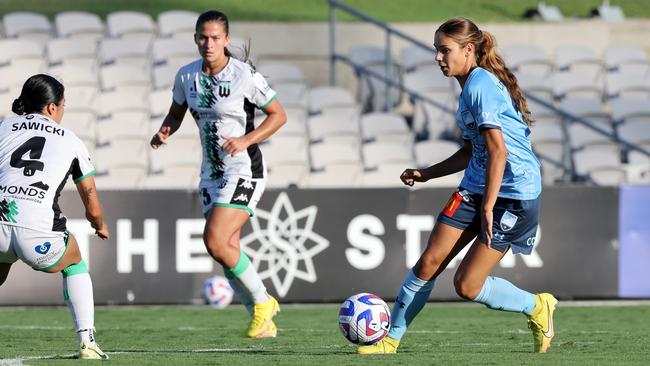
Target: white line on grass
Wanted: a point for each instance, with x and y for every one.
(18, 361)
(34, 327)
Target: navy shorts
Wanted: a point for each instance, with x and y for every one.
(514, 224)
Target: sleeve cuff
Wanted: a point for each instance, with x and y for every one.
(77, 180)
(268, 102)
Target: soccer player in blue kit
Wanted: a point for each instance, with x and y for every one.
(498, 199)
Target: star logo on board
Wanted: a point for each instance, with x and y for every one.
(283, 244)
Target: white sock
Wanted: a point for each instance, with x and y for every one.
(242, 294)
(250, 280)
(78, 294)
(86, 335)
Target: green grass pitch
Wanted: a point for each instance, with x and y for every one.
(443, 334)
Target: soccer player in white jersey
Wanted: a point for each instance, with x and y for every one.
(37, 156)
(498, 199)
(222, 93)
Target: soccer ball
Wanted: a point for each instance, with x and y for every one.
(364, 319)
(217, 292)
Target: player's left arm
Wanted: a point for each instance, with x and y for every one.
(495, 166)
(258, 92)
(275, 118)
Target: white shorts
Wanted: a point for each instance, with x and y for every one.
(40, 250)
(232, 191)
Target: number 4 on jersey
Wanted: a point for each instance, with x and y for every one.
(35, 148)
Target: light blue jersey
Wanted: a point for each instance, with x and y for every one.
(486, 103)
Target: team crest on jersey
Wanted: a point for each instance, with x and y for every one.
(243, 192)
(224, 89)
(508, 221)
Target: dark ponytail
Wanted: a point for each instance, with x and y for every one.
(38, 91)
(18, 106)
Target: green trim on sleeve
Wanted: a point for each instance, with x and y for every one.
(269, 102)
(84, 177)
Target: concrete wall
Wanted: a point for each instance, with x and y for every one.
(307, 44)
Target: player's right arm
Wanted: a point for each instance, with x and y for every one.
(170, 124)
(94, 211)
(453, 164)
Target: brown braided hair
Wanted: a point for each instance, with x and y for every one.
(464, 31)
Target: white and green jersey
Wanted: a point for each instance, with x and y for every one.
(224, 105)
(36, 157)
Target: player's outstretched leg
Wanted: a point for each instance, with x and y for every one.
(499, 294)
(411, 299)
(540, 321)
(78, 294)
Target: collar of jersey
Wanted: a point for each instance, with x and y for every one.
(220, 72)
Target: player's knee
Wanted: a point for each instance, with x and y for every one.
(74, 269)
(217, 247)
(430, 262)
(465, 288)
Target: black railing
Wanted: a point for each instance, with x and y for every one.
(566, 164)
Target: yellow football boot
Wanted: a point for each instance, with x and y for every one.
(262, 325)
(541, 322)
(89, 351)
(386, 346)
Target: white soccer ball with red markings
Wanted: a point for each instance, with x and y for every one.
(364, 319)
(217, 292)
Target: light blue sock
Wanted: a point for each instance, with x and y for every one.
(411, 299)
(499, 294)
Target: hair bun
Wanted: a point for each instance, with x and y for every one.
(18, 106)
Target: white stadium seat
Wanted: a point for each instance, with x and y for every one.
(79, 25)
(172, 23)
(414, 57)
(175, 177)
(384, 176)
(430, 152)
(580, 60)
(323, 154)
(125, 78)
(130, 24)
(129, 51)
(390, 127)
(292, 94)
(627, 60)
(376, 154)
(528, 59)
(280, 72)
(330, 126)
(27, 26)
(173, 51)
(329, 96)
(80, 52)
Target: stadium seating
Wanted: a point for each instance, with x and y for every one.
(119, 74)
